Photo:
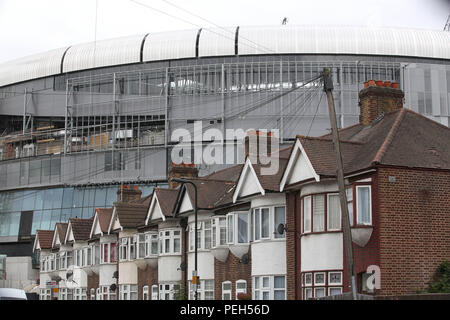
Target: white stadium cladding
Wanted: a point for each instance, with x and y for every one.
(136, 90)
(229, 42)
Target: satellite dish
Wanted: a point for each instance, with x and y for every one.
(244, 259)
(112, 287)
(281, 228)
(183, 266)
(116, 275)
(69, 274)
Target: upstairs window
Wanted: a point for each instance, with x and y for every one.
(363, 209)
(349, 193)
(261, 223)
(219, 231)
(318, 213)
(141, 252)
(151, 244)
(333, 212)
(238, 227)
(170, 242)
(279, 218)
(307, 214)
(108, 253)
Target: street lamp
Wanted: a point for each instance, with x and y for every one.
(183, 181)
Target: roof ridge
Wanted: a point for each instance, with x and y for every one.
(389, 137)
(328, 140)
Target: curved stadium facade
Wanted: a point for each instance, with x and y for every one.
(78, 121)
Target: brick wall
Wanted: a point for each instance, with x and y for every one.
(292, 244)
(147, 277)
(92, 283)
(415, 227)
(231, 270)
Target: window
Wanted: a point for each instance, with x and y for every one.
(318, 213)
(279, 288)
(145, 293)
(238, 228)
(155, 292)
(108, 253)
(170, 242)
(97, 294)
(168, 291)
(307, 214)
(141, 246)
(334, 278)
(332, 291)
(128, 292)
(319, 292)
(349, 193)
(92, 297)
(123, 249)
(269, 288)
(205, 290)
(315, 284)
(230, 228)
(241, 287)
(333, 212)
(45, 294)
(107, 294)
(226, 290)
(319, 278)
(363, 208)
(151, 244)
(79, 294)
(261, 223)
(207, 234)
(279, 218)
(204, 237)
(219, 231)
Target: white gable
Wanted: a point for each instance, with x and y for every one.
(154, 212)
(56, 240)
(299, 168)
(186, 204)
(114, 224)
(69, 234)
(36, 245)
(96, 229)
(248, 183)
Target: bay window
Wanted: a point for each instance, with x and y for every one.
(107, 294)
(170, 242)
(238, 228)
(205, 290)
(333, 212)
(307, 214)
(141, 251)
(261, 223)
(318, 213)
(108, 253)
(269, 287)
(363, 209)
(204, 235)
(128, 292)
(168, 291)
(279, 218)
(151, 244)
(219, 231)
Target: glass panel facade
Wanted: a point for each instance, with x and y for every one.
(54, 205)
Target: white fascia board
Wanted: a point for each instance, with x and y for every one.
(291, 164)
(242, 180)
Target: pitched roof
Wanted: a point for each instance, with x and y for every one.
(400, 138)
(104, 217)
(167, 199)
(61, 228)
(81, 228)
(45, 238)
(132, 214)
(211, 193)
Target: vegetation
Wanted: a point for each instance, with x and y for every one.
(441, 279)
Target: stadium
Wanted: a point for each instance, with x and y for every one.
(78, 121)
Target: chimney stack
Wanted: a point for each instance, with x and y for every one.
(127, 193)
(182, 170)
(378, 97)
(263, 146)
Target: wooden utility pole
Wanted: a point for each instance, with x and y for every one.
(348, 247)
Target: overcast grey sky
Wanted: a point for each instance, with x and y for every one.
(33, 26)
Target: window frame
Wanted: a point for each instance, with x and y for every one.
(240, 290)
(356, 194)
(227, 291)
(328, 212)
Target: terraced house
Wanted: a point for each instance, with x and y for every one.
(275, 236)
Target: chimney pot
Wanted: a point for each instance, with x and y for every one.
(377, 99)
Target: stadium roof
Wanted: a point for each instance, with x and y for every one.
(282, 39)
